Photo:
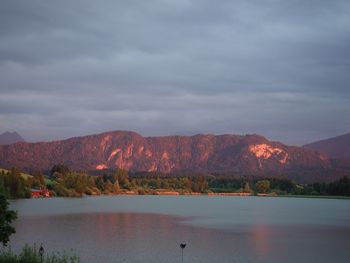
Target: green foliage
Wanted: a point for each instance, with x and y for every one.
(60, 190)
(30, 254)
(3, 186)
(38, 180)
(246, 188)
(13, 184)
(226, 184)
(262, 186)
(73, 184)
(108, 187)
(59, 170)
(116, 187)
(340, 187)
(122, 177)
(24, 175)
(100, 184)
(6, 218)
(200, 184)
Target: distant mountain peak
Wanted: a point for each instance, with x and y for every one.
(10, 138)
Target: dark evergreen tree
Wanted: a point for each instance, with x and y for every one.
(6, 218)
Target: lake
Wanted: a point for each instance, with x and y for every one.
(215, 228)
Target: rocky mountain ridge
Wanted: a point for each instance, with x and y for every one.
(233, 154)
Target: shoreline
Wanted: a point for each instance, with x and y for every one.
(211, 194)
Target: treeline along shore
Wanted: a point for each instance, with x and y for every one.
(61, 181)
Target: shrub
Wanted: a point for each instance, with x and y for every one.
(30, 254)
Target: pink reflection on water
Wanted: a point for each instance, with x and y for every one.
(262, 240)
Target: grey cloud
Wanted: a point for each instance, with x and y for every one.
(272, 67)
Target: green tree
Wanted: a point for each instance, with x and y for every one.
(122, 177)
(3, 188)
(100, 184)
(165, 184)
(158, 183)
(246, 188)
(6, 218)
(200, 184)
(109, 187)
(39, 178)
(16, 184)
(59, 170)
(116, 187)
(262, 186)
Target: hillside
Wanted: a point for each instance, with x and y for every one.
(336, 147)
(24, 175)
(226, 154)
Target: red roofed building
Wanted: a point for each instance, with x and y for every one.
(36, 193)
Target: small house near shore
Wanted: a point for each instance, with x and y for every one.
(36, 193)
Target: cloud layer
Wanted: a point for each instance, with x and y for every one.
(278, 68)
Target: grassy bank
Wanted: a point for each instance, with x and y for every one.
(30, 254)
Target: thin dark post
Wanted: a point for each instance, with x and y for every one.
(41, 253)
(182, 246)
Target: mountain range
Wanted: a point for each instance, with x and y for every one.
(236, 155)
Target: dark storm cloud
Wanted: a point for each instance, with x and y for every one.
(280, 68)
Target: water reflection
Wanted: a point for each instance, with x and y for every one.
(261, 238)
(151, 237)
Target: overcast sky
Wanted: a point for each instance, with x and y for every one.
(163, 67)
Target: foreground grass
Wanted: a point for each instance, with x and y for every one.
(30, 254)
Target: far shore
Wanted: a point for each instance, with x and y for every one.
(243, 194)
(170, 193)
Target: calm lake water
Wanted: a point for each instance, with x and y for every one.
(216, 229)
